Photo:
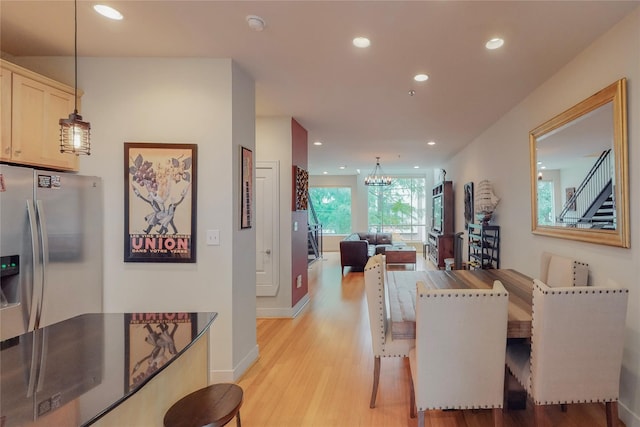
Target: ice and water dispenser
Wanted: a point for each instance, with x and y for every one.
(9, 280)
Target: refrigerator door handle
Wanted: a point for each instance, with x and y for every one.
(36, 289)
(44, 259)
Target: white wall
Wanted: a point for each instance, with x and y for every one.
(208, 102)
(243, 298)
(274, 143)
(501, 154)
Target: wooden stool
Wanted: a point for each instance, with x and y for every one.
(212, 406)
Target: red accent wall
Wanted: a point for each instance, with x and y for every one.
(299, 245)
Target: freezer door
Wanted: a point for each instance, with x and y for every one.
(70, 222)
(16, 247)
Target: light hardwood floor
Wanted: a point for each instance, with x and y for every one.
(316, 370)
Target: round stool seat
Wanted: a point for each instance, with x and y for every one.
(212, 406)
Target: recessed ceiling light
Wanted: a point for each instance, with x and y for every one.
(421, 77)
(543, 167)
(107, 11)
(325, 173)
(361, 42)
(317, 143)
(431, 143)
(494, 43)
(416, 167)
(343, 167)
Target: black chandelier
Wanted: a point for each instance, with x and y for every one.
(377, 176)
(75, 134)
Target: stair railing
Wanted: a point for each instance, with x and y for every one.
(597, 179)
(314, 235)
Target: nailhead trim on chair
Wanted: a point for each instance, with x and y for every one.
(575, 266)
(461, 407)
(463, 295)
(603, 400)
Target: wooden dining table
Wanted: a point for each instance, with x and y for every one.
(401, 294)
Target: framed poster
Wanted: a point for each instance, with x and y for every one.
(300, 197)
(160, 202)
(246, 185)
(151, 340)
(468, 204)
(569, 203)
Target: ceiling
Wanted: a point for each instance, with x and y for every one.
(355, 101)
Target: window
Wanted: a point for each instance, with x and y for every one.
(399, 208)
(546, 210)
(332, 206)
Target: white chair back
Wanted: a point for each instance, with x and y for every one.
(377, 303)
(374, 275)
(556, 270)
(460, 347)
(577, 343)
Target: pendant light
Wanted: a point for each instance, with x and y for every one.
(75, 134)
(377, 176)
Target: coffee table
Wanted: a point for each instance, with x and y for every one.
(401, 255)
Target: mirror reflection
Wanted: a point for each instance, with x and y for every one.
(579, 172)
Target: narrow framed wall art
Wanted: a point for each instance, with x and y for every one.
(246, 188)
(160, 202)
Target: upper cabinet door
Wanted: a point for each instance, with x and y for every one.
(5, 114)
(35, 133)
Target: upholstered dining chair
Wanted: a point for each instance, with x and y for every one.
(458, 361)
(557, 270)
(572, 361)
(379, 321)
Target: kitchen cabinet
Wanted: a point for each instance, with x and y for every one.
(5, 114)
(440, 248)
(32, 106)
(440, 237)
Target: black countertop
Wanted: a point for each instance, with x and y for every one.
(94, 361)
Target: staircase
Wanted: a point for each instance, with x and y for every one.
(314, 235)
(604, 217)
(592, 205)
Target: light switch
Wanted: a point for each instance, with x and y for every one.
(295, 225)
(213, 237)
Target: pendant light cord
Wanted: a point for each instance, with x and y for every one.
(75, 55)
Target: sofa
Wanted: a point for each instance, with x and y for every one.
(356, 248)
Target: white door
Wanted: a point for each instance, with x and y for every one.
(267, 228)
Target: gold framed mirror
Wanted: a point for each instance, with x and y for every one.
(579, 171)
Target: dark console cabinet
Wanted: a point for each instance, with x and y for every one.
(441, 236)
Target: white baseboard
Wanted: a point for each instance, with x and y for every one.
(628, 418)
(231, 376)
(283, 312)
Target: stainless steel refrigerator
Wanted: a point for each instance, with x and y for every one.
(50, 248)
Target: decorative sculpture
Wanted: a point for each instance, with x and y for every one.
(485, 202)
